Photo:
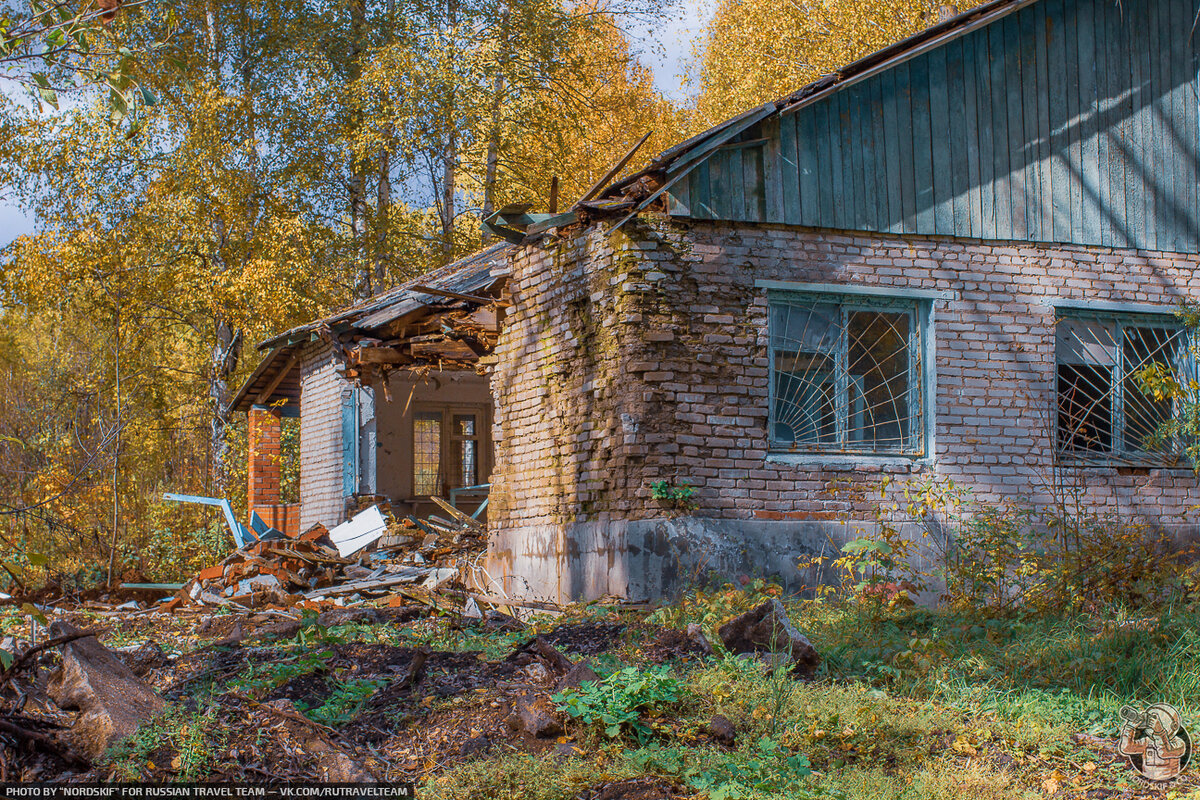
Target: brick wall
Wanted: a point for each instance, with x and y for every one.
(321, 389)
(644, 357)
(263, 457)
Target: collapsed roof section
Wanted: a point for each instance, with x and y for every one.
(447, 318)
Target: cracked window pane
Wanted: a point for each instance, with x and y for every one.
(878, 368)
(1144, 415)
(1102, 411)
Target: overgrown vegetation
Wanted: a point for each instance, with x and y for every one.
(620, 703)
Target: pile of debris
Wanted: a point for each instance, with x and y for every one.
(367, 557)
(435, 538)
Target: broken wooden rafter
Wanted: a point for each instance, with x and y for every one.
(445, 349)
(470, 298)
(265, 395)
(380, 355)
(599, 185)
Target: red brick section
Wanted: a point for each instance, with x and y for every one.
(285, 518)
(263, 458)
(264, 454)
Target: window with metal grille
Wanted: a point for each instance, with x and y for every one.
(846, 375)
(1102, 412)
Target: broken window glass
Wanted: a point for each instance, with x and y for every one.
(843, 377)
(1102, 411)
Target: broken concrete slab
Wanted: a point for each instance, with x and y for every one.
(112, 699)
(768, 628)
(359, 531)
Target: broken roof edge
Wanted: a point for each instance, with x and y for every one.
(340, 320)
(241, 400)
(873, 63)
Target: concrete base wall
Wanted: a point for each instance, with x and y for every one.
(652, 558)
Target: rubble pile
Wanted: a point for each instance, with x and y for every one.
(276, 571)
(434, 539)
(368, 557)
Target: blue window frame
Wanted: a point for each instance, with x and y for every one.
(1102, 414)
(846, 374)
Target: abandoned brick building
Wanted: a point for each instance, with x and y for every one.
(949, 259)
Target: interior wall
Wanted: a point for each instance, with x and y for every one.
(439, 391)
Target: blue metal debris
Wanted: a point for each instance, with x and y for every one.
(242, 535)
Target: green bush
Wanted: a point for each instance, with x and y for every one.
(616, 703)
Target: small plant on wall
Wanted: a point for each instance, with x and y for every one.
(676, 496)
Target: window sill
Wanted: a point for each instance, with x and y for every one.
(912, 462)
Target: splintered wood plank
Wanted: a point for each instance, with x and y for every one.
(877, 158)
(1089, 107)
(960, 190)
(772, 172)
(1030, 100)
(736, 178)
(789, 174)
(837, 137)
(1148, 48)
(718, 185)
(754, 197)
(824, 158)
(1000, 131)
(1014, 100)
(1059, 123)
(457, 515)
(904, 131)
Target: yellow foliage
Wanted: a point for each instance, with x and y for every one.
(755, 50)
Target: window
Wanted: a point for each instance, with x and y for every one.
(447, 450)
(1102, 413)
(427, 453)
(846, 375)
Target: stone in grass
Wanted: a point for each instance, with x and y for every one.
(575, 677)
(475, 746)
(721, 730)
(536, 716)
(768, 628)
(112, 700)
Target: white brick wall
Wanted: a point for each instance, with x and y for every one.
(321, 388)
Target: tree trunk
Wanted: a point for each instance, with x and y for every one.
(493, 154)
(357, 187)
(225, 356)
(493, 150)
(383, 209)
(116, 495)
(449, 165)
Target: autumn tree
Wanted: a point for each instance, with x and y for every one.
(753, 51)
(286, 158)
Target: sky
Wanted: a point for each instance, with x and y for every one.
(666, 58)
